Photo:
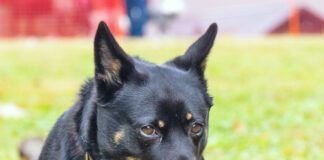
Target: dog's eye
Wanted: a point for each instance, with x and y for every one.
(148, 130)
(196, 128)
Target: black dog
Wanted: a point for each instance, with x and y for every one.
(133, 109)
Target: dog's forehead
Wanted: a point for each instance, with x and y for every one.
(171, 82)
(165, 82)
(165, 74)
(167, 90)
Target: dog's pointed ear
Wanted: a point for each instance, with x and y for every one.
(196, 55)
(112, 65)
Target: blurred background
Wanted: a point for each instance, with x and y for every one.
(265, 73)
(75, 18)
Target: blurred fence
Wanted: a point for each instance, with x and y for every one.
(20, 18)
(58, 17)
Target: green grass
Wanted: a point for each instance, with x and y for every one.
(269, 92)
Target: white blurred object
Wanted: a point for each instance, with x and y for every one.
(10, 110)
(162, 13)
(172, 6)
(167, 7)
(31, 148)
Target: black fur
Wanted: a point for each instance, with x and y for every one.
(126, 94)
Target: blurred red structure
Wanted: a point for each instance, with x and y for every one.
(307, 22)
(59, 17)
(294, 27)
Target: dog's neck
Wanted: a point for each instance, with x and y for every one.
(88, 127)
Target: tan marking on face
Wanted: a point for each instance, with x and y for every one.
(188, 116)
(161, 124)
(131, 158)
(119, 135)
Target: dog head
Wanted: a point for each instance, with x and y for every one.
(147, 111)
